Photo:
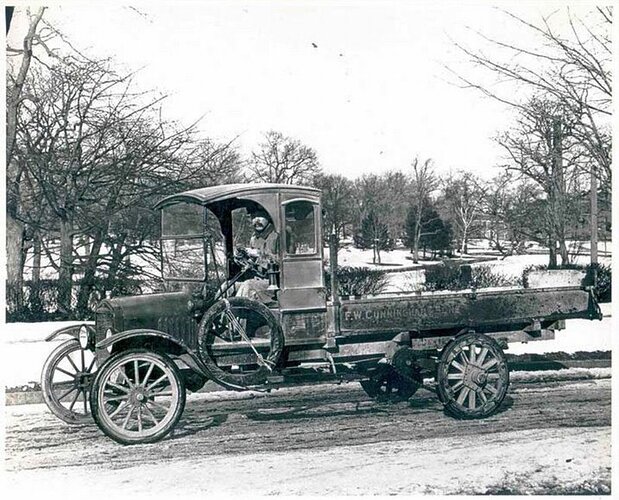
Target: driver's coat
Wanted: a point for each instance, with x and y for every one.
(266, 244)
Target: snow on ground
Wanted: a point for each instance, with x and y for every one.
(573, 461)
(515, 264)
(579, 335)
(398, 258)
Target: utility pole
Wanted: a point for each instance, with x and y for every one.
(593, 268)
(594, 217)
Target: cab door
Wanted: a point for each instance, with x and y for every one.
(302, 297)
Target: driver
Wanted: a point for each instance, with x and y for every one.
(263, 246)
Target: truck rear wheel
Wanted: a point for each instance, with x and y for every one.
(473, 376)
(387, 386)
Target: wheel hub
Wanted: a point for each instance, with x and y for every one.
(138, 396)
(474, 377)
(83, 380)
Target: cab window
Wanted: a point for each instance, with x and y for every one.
(300, 228)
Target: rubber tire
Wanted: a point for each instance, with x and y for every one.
(275, 351)
(47, 372)
(451, 405)
(373, 387)
(110, 364)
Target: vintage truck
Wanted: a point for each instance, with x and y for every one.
(131, 369)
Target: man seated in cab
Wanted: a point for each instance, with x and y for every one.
(264, 248)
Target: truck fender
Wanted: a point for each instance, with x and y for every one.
(72, 331)
(188, 355)
(140, 333)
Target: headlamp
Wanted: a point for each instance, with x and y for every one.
(84, 337)
(108, 334)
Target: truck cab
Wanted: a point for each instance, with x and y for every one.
(202, 228)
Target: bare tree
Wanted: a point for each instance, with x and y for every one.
(463, 195)
(218, 163)
(337, 202)
(15, 83)
(573, 68)
(373, 209)
(397, 192)
(497, 208)
(282, 159)
(92, 149)
(542, 149)
(423, 183)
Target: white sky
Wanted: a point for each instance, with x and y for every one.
(249, 67)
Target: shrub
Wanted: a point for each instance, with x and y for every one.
(39, 300)
(485, 277)
(452, 276)
(444, 277)
(357, 281)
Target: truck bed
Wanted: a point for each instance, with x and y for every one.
(483, 308)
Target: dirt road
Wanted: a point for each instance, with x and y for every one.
(551, 437)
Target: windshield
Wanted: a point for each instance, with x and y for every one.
(192, 245)
(182, 219)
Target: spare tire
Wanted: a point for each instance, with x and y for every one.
(241, 358)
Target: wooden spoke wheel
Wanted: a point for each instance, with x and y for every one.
(240, 341)
(388, 386)
(138, 396)
(472, 376)
(66, 380)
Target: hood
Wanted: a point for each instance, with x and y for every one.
(144, 311)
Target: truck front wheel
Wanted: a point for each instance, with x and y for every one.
(472, 376)
(138, 396)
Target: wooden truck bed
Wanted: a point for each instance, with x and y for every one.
(483, 310)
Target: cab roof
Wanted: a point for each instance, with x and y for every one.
(212, 194)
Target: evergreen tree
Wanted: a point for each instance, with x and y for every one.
(434, 233)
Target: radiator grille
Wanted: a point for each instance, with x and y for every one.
(103, 321)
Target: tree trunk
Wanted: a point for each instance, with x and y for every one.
(416, 239)
(14, 242)
(552, 260)
(14, 92)
(465, 241)
(117, 257)
(35, 288)
(565, 256)
(65, 275)
(558, 189)
(88, 280)
(36, 258)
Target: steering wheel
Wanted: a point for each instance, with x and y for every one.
(249, 262)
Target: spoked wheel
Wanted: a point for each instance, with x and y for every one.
(240, 341)
(66, 380)
(388, 386)
(472, 376)
(138, 396)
